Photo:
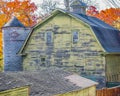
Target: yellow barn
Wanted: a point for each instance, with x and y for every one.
(76, 42)
(70, 40)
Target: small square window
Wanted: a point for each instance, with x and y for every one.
(43, 59)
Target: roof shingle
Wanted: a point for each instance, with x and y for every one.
(50, 81)
(14, 22)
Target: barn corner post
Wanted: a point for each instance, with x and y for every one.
(105, 68)
(105, 71)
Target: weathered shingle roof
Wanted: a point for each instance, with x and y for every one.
(8, 82)
(52, 81)
(14, 22)
(108, 38)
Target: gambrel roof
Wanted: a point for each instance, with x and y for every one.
(107, 36)
(51, 81)
(14, 22)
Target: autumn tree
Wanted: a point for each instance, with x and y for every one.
(111, 16)
(116, 23)
(22, 9)
(92, 11)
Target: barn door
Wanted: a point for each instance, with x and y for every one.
(113, 68)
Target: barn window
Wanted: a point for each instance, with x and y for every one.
(43, 60)
(49, 37)
(75, 36)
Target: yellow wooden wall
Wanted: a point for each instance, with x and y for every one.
(1, 64)
(91, 91)
(81, 57)
(21, 91)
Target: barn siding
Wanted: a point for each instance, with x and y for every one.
(22, 91)
(113, 62)
(91, 91)
(82, 57)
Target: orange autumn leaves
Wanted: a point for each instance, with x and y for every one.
(22, 9)
(111, 16)
(116, 23)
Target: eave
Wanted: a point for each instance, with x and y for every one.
(109, 53)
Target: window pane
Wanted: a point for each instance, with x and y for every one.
(43, 59)
(49, 37)
(75, 37)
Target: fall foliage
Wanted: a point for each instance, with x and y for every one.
(116, 23)
(111, 16)
(22, 9)
(92, 11)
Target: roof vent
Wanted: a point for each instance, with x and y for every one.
(77, 6)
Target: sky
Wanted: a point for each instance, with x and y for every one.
(101, 3)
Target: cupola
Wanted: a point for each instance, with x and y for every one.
(77, 6)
